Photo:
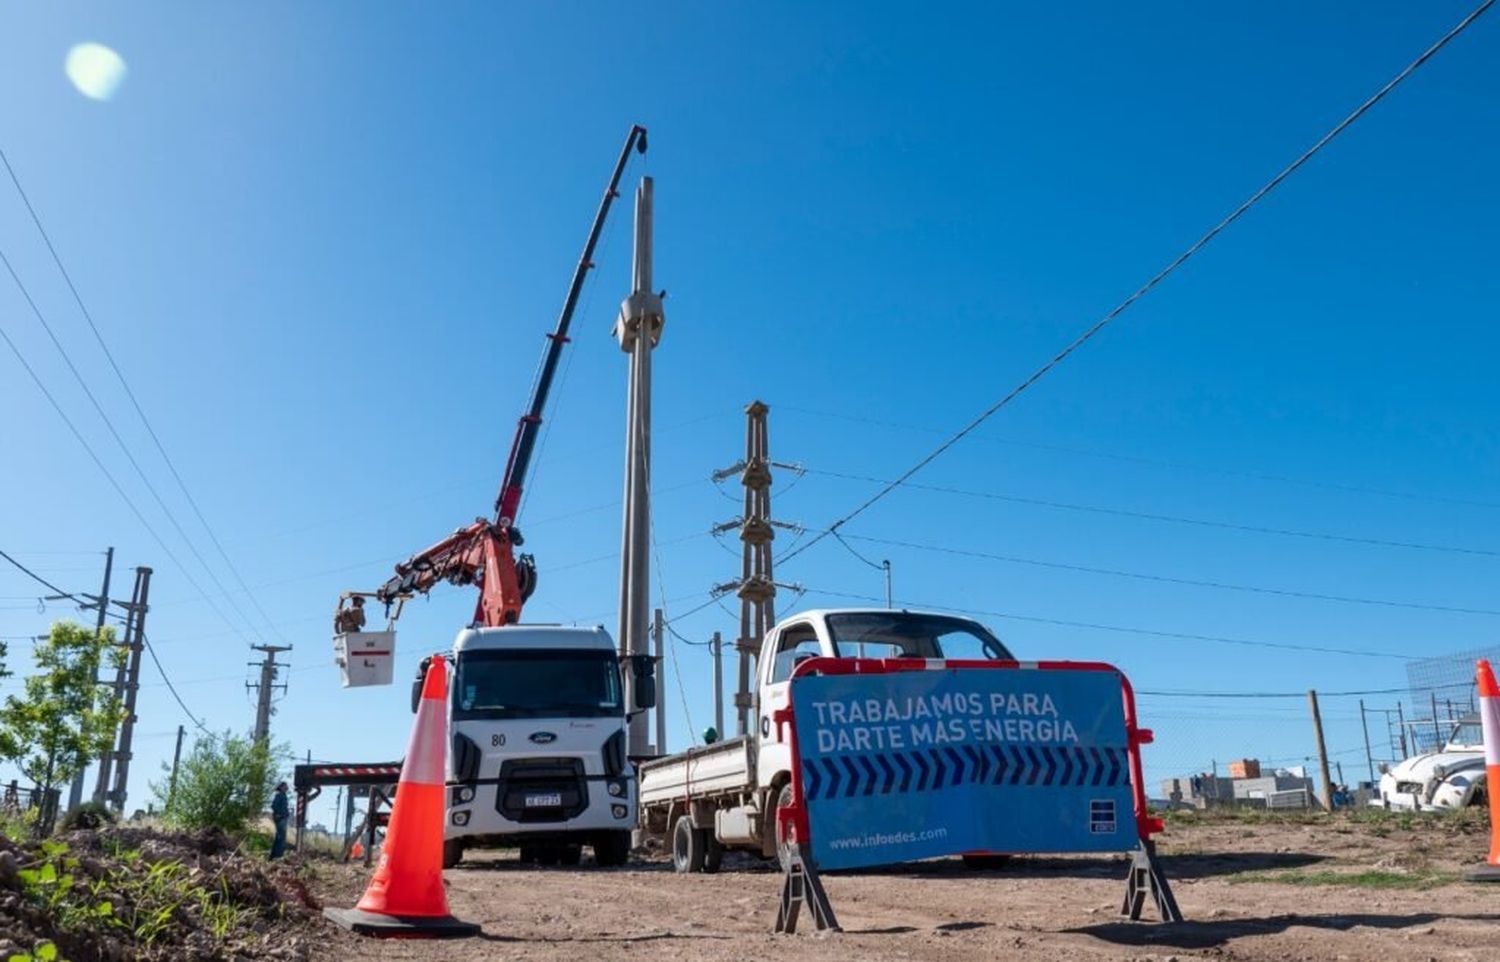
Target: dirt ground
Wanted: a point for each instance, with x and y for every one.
(1326, 888)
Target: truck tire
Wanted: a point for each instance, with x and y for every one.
(783, 850)
(527, 855)
(713, 853)
(688, 847)
(453, 852)
(548, 854)
(570, 854)
(612, 849)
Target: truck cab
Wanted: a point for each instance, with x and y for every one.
(537, 717)
(725, 795)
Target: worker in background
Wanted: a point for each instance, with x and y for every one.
(351, 618)
(280, 812)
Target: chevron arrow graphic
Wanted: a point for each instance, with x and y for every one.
(811, 778)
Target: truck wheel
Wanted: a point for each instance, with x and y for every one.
(453, 852)
(713, 853)
(570, 854)
(548, 854)
(688, 845)
(612, 849)
(783, 849)
(527, 855)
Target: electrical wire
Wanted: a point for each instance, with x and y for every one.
(41, 581)
(1178, 693)
(1156, 279)
(1174, 519)
(1165, 579)
(109, 476)
(172, 688)
(26, 294)
(1096, 626)
(1153, 462)
(135, 403)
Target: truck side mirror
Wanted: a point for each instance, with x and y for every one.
(643, 673)
(416, 686)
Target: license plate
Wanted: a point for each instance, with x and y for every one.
(549, 800)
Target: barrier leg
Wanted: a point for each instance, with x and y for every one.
(802, 886)
(1147, 878)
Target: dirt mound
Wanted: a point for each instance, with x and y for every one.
(130, 893)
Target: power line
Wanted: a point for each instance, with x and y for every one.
(98, 408)
(120, 375)
(1160, 276)
(1165, 579)
(40, 580)
(108, 475)
(1096, 626)
(171, 688)
(1153, 462)
(1173, 519)
(1178, 693)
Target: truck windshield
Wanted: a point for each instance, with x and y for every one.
(899, 634)
(537, 683)
(1466, 734)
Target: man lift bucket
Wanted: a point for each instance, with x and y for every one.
(405, 898)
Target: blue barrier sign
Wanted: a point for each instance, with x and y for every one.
(910, 765)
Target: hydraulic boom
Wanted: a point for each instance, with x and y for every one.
(482, 553)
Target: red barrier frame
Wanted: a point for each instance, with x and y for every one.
(791, 821)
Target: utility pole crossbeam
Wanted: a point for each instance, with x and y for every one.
(639, 330)
(756, 586)
(265, 687)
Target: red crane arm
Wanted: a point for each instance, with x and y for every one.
(481, 554)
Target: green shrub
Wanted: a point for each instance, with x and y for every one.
(224, 782)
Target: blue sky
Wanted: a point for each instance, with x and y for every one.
(324, 244)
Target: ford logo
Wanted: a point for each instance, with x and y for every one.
(543, 738)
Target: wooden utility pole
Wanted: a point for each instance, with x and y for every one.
(1312, 701)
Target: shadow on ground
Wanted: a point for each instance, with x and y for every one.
(1108, 866)
(1204, 935)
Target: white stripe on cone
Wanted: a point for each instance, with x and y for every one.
(1489, 714)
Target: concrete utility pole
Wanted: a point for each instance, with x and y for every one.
(100, 603)
(638, 329)
(176, 760)
(115, 765)
(1312, 701)
(717, 647)
(265, 687)
(756, 586)
(658, 632)
(1369, 758)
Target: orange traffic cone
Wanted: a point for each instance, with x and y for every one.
(1489, 716)
(405, 898)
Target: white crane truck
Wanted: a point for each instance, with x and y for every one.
(725, 795)
(537, 717)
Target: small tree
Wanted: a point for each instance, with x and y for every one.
(225, 781)
(65, 716)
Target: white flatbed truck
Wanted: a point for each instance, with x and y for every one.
(724, 796)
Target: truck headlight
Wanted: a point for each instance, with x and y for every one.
(616, 788)
(460, 818)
